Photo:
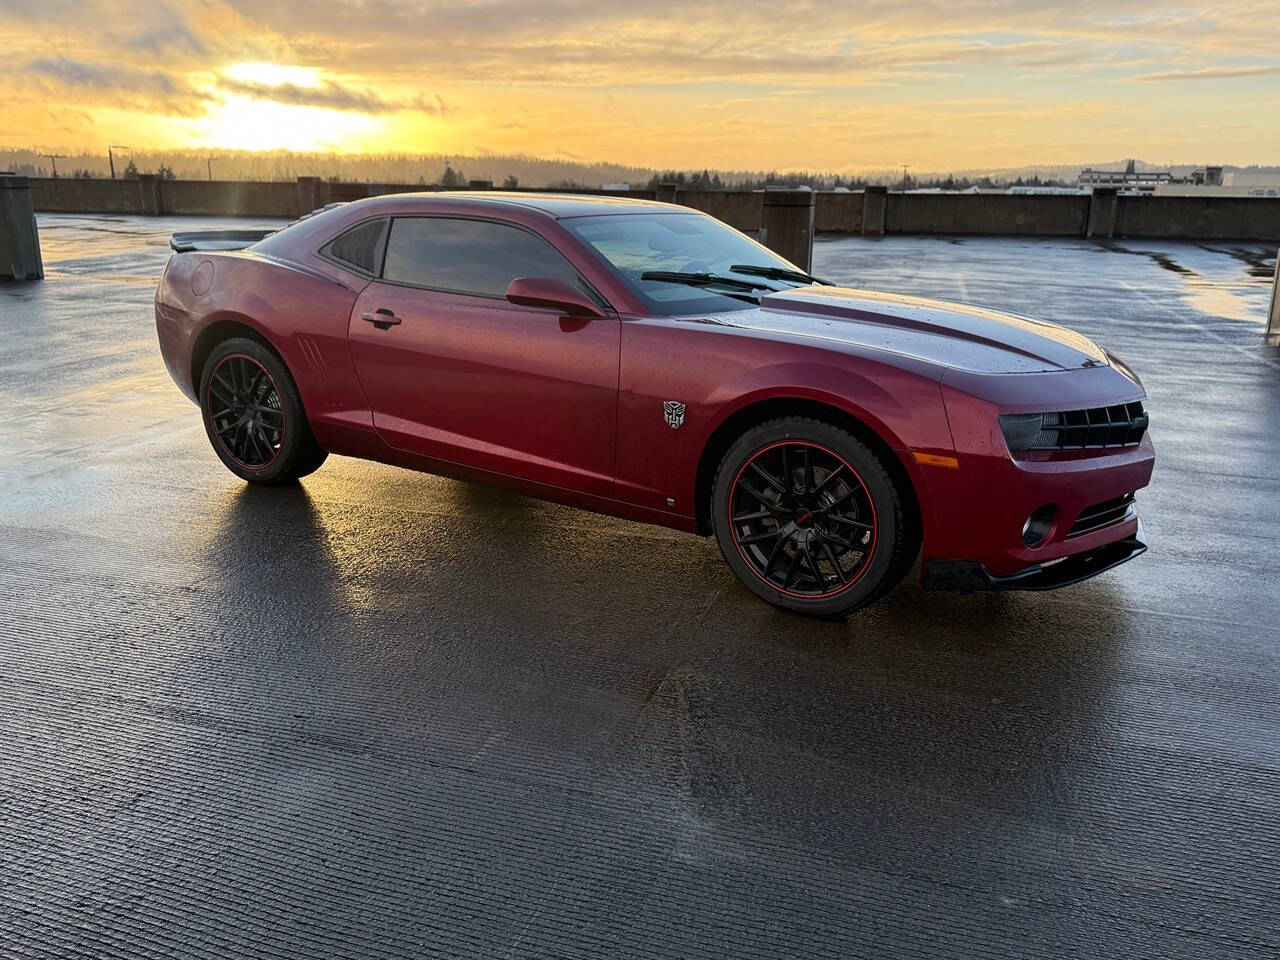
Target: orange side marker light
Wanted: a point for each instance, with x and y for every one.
(935, 460)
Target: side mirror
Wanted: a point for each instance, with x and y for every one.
(555, 293)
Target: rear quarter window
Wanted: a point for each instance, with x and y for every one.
(359, 248)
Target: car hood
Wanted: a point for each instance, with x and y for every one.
(948, 334)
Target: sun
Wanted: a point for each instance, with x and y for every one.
(251, 120)
(273, 74)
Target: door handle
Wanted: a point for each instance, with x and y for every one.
(382, 318)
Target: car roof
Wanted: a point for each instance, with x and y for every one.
(556, 205)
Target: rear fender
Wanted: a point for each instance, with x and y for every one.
(302, 314)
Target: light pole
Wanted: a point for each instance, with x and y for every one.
(111, 160)
(54, 158)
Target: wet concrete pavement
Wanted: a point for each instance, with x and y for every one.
(385, 714)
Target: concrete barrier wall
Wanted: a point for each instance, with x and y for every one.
(738, 208)
(229, 198)
(838, 213)
(189, 197)
(1202, 218)
(1213, 218)
(73, 195)
(998, 213)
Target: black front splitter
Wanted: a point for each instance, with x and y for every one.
(968, 576)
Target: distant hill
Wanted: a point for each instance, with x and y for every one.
(528, 171)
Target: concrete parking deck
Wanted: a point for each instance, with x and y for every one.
(384, 714)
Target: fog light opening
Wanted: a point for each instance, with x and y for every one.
(1036, 530)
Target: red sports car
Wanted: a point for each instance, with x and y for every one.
(645, 360)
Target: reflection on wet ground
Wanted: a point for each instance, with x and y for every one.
(386, 714)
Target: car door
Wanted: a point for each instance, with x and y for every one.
(454, 371)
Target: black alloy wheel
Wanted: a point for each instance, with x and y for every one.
(244, 406)
(802, 519)
(809, 517)
(253, 414)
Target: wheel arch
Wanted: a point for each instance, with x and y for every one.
(220, 327)
(760, 411)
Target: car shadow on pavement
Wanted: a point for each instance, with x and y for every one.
(531, 618)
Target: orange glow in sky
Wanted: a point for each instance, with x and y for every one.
(834, 87)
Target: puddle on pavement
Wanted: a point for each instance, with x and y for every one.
(1257, 263)
(1216, 298)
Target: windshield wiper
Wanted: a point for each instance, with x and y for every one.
(709, 280)
(778, 273)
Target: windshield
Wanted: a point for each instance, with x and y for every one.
(636, 244)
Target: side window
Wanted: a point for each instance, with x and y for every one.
(468, 256)
(360, 247)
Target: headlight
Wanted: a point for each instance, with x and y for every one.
(1021, 429)
(1123, 367)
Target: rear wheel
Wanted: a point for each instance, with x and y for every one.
(253, 414)
(809, 518)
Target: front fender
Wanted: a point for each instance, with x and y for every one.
(724, 380)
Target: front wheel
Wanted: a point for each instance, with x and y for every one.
(253, 414)
(809, 518)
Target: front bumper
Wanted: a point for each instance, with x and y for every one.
(969, 576)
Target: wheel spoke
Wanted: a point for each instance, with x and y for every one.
(849, 492)
(761, 536)
(808, 469)
(251, 443)
(792, 569)
(831, 559)
(774, 554)
(841, 518)
(748, 517)
(828, 478)
(768, 477)
(227, 430)
(260, 443)
(786, 470)
(220, 389)
(768, 504)
(840, 541)
(261, 388)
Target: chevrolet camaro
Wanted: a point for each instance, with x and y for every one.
(645, 360)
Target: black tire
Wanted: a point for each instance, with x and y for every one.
(253, 414)
(817, 525)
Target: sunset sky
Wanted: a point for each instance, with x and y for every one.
(838, 86)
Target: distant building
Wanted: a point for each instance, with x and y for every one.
(1047, 191)
(1213, 182)
(617, 187)
(1207, 176)
(1130, 182)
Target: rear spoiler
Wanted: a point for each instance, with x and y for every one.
(216, 239)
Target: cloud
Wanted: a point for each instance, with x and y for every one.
(1211, 73)
(101, 76)
(434, 106)
(334, 96)
(82, 82)
(174, 37)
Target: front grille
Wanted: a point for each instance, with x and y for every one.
(1096, 428)
(1101, 515)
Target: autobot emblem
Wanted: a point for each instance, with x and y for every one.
(674, 412)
